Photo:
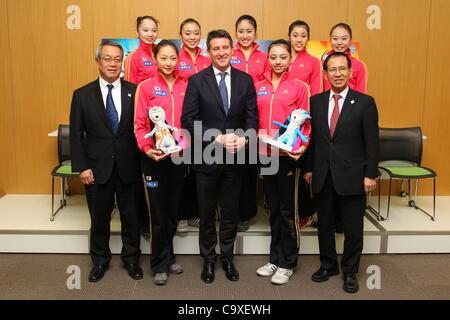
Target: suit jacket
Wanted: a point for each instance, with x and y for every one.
(202, 102)
(93, 144)
(352, 153)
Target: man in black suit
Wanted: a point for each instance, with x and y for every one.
(105, 152)
(342, 163)
(223, 99)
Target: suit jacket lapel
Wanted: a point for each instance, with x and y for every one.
(212, 83)
(234, 89)
(99, 104)
(126, 104)
(346, 110)
(324, 114)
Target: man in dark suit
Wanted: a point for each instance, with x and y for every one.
(342, 163)
(224, 100)
(105, 152)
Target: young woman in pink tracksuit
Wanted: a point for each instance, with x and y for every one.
(277, 96)
(246, 55)
(164, 179)
(341, 41)
(304, 66)
(140, 63)
(190, 59)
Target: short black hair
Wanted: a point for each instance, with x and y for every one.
(220, 33)
(298, 23)
(246, 17)
(165, 43)
(281, 42)
(334, 55)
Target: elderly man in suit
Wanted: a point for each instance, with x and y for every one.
(342, 164)
(222, 98)
(105, 152)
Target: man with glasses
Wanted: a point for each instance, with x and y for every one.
(342, 164)
(104, 151)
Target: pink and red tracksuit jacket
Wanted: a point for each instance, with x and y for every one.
(308, 69)
(140, 64)
(256, 65)
(358, 81)
(187, 67)
(291, 94)
(155, 92)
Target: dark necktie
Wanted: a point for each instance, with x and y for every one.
(223, 91)
(335, 114)
(111, 111)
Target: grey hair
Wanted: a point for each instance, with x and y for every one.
(99, 49)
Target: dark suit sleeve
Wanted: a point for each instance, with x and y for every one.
(370, 127)
(77, 139)
(251, 110)
(307, 159)
(191, 108)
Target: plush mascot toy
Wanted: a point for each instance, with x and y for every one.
(293, 132)
(164, 140)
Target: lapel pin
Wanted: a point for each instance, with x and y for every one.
(352, 102)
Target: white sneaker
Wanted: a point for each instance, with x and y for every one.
(182, 226)
(267, 270)
(282, 276)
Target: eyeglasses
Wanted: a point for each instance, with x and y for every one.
(109, 60)
(340, 69)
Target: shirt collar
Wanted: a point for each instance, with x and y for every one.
(217, 71)
(343, 94)
(104, 83)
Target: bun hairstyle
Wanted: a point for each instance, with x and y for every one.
(249, 19)
(189, 20)
(165, 43)
(140, 19)
(280, 42)
(344, 26)
(299, 23)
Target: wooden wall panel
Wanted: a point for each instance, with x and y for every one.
(117, 18)
(436, 113)
(395, 57)
(278, 15)
(8, 181)
(45, 62)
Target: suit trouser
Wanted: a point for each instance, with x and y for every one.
(247, 201)
(189, 209)
(279, 190)
(351, 210)
(100, 199)
(164, 181)
(223, 186)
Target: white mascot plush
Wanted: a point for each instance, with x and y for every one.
(164, 140)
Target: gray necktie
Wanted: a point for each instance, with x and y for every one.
(223, 91)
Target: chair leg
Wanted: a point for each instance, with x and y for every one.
(62, 201)
(389, 198)
(414, 205)
(369, 206)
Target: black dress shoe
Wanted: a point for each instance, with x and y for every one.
(208, 272)
(134, 271)
(322, 275)
(230, 271)
(350, 283)
(97, 272)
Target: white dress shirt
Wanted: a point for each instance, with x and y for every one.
(217, 72)
(343, 95)
(116, 94)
